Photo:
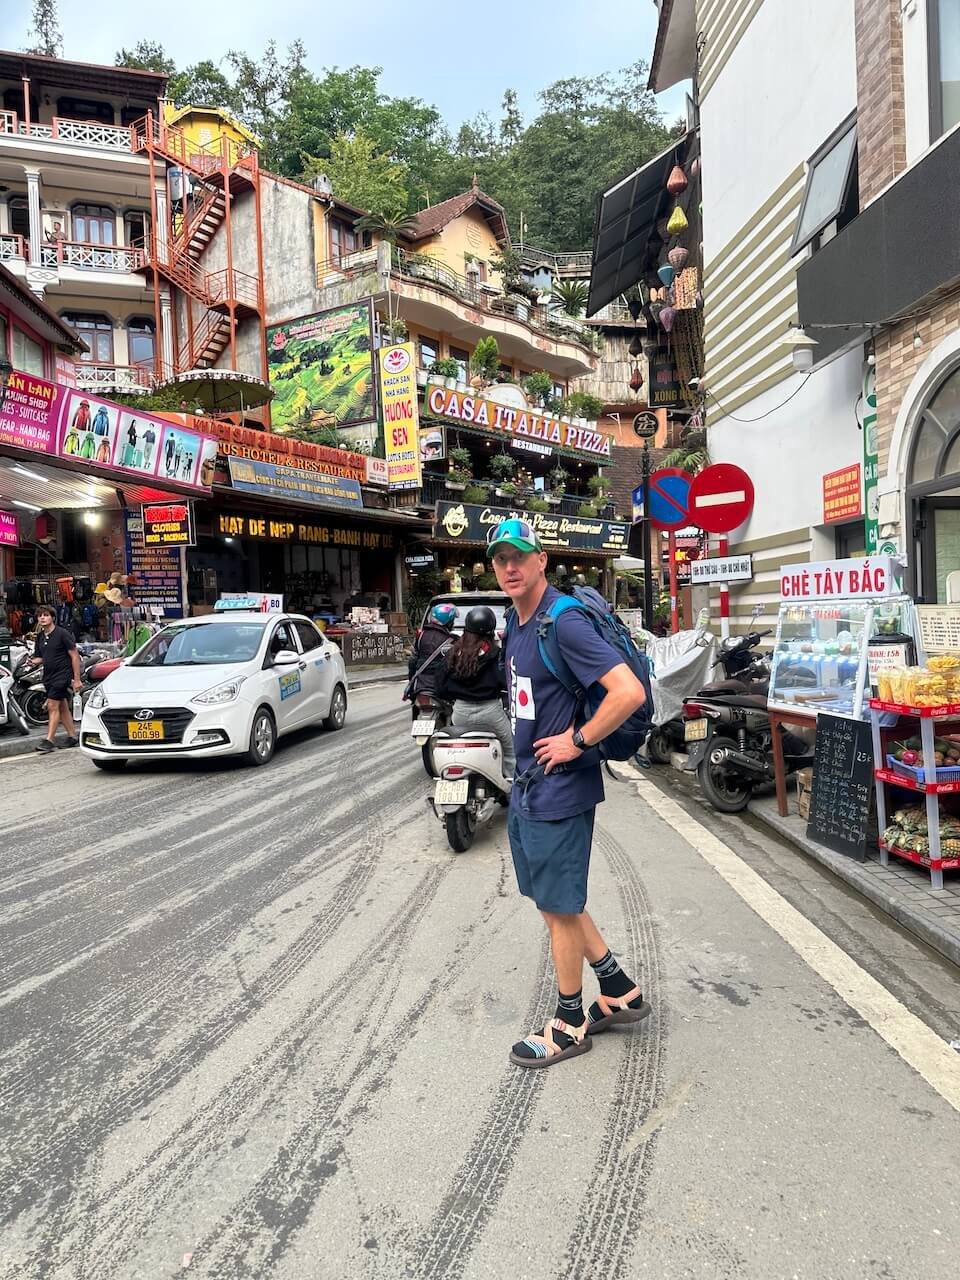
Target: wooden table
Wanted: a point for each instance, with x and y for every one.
(777, 718)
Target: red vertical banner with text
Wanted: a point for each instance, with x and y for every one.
(398, 401)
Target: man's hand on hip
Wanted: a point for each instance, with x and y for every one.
(556, 750)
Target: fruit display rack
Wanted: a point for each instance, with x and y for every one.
(933, 783)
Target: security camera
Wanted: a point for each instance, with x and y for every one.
(694, 383)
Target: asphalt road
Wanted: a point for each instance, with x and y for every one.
(256, 1024)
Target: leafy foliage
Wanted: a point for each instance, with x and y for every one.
(571, 296)
(485, 360)
(46, 29)
(388, 226)
(360, 174)
(691, 455)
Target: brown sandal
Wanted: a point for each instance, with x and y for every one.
(610, 1011)
(546, 1048)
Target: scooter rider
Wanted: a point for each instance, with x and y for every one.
(435, 633)
(470, 676)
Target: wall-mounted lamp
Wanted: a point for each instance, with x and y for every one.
(801, 347)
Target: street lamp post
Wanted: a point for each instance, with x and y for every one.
(647, 567)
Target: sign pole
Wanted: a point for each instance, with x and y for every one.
(674, 610)
(724, 598)
(647, 567)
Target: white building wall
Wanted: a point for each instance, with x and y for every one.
(916, 77)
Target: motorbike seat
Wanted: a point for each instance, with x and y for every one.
(752, 701)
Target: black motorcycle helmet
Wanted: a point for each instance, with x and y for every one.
(480, 621)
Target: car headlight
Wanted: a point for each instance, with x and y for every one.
(220, 693)
(97, 699)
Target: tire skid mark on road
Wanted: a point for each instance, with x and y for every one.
(265, 1222)
(608, 1219)
(230, 863)
(78, 1135)
(169, 1165)
(444, 1248)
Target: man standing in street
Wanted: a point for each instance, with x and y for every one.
(558, 787)
(57, 650)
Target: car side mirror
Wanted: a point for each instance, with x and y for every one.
(285, 658)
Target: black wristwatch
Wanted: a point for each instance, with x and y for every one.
(579, 741)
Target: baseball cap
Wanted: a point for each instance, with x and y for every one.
(518, 533)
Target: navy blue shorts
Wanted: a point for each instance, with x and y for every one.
(552, 860)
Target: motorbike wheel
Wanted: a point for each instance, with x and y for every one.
(461, 828)
(721, 789)
(427, 757)
(34, 707)
(659, 746)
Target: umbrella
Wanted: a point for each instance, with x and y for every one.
(220, 390)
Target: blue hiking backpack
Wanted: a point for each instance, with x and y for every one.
(632, 734)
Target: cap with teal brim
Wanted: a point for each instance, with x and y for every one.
(517, 533)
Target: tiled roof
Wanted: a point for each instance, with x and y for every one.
(430, 221)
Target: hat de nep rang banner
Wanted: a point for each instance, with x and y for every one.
(60, 422)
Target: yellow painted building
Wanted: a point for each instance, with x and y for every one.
(203, 125)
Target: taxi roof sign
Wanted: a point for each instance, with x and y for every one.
(248, 602)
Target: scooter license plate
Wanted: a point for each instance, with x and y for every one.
(694, 730)
(423, 727)
(451, 792)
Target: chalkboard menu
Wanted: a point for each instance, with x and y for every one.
(364, 646)
(842, 786)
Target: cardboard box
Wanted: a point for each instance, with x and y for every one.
(804, 792)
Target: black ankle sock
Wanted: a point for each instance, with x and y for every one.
(613, 981)
(570, 1008)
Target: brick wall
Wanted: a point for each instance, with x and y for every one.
(898, 362)
(881, 127)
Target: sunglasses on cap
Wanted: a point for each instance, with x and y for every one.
(518, 533)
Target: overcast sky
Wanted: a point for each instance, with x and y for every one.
(456, 56)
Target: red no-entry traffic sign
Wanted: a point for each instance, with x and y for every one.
(721, 497)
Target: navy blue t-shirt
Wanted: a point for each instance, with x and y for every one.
(540, 707)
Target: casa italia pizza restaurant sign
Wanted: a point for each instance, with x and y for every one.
(520, 423)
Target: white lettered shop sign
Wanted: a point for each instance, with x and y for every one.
(872, 578)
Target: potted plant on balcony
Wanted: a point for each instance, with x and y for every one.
(558, 484)
(587, 509)
(584, 407)
(478, 493)
(538, 503)
(396, 330)
(539, 387)
(485, 361)
(503, 468)
(508, 489)
(461, 472)
(445, 372)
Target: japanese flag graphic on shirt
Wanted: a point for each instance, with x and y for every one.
(521, 697)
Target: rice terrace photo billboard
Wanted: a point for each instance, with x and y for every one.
(321, 369)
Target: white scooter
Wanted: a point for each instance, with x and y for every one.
(10, 714)
(470, 784)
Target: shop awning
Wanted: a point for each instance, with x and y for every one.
(626, 222)
(387, 515)
(33, 485)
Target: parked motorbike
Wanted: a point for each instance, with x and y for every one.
(729, 737)
(470, 784)
(11, 716)
(430, 715)
(30, 695)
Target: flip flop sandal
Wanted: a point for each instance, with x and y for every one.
(546, 1048)
(610, 1011)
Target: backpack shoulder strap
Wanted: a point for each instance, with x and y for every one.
(548, 644)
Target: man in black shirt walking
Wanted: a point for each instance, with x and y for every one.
(57, 650)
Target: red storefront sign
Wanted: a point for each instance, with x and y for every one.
(491, 416)
(842, 495)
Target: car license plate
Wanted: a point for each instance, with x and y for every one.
(423, 727)
(452, 792)
(145, 730)
(694, 730)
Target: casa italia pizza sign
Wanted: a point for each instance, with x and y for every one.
(519, 423)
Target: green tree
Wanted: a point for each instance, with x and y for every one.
(203, 84)
(360, 175)
(146, 55)
(571, 295)
(263, 88)
(46, 29)
(389, 226)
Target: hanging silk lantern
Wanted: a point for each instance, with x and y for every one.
(636, 378)
(635, 307)
(667, 317)
(698, 299)
(666, 273)
(677, 222)
(678, 257)
(636, 346)
(677, 181)
(655, 309)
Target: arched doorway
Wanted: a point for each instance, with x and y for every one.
(933, 491)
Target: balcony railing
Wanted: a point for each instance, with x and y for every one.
(90, 257)
(484, 297)
(12, 246)
(435, 489)
(331, 270)
(79, 133)
(94, 376)
(534, 258)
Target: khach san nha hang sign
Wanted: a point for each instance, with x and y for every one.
(520, 423)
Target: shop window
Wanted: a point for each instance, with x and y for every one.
(463, 363)
(97, 333)
(309, 636)
(141, 342)
(943, 34)
(343, 240)
(85, 109)
(559, 391)
(830, 196)
(26, 354)
(428, 351)
(94, 224)
(19, 216)
(936, 450)
(135, 225)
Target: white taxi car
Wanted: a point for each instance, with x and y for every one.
(225, 684)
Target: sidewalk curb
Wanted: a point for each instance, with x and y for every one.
(357, 679)
(918, 921)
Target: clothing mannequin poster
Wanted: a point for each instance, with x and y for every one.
(131, 451)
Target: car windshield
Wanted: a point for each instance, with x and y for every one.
(201, 644)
